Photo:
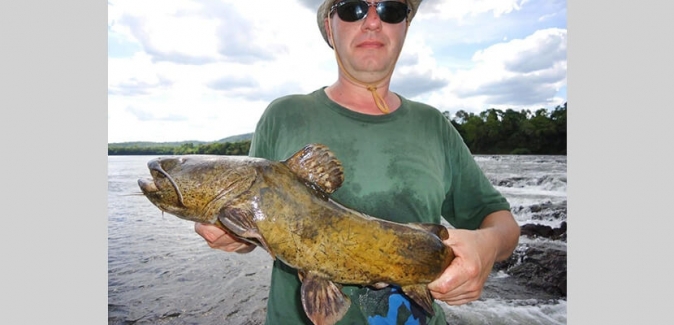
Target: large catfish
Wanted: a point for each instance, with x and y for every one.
(285, 208)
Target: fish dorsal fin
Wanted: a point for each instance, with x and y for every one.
(317, 165)
(436, 229)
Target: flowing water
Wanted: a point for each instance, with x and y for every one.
(161, 272)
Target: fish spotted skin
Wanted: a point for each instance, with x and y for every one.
(284, 207)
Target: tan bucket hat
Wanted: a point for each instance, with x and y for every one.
(324, 9)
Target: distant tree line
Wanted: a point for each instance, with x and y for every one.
(495, 131)
(492, 131)
(215, 148)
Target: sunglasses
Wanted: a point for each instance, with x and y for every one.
(391, 12)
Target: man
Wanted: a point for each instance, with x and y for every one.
(403, 161)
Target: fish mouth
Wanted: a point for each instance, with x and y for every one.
(150, 186)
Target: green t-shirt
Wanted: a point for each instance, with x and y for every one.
(407, 166)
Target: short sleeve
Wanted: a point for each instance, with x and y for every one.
(471, 196)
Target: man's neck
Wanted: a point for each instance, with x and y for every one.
(357, 98)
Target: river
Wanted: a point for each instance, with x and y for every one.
(161, 272)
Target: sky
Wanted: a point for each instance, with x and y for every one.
(181, 70)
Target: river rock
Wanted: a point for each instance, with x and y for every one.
(536, 230)
(539, 268)
(544, 211)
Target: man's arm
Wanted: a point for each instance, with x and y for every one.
(475, 252)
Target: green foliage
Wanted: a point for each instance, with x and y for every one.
(510, 132)
(212, 148)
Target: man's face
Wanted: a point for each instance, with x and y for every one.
(368, 47)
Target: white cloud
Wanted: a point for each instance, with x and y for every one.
(205, 70)
(520, 74)
(463, 9)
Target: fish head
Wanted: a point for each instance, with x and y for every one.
(197, 187)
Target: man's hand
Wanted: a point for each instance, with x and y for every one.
(475, 253)
(219, 239)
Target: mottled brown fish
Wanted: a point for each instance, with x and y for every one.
(285, 208)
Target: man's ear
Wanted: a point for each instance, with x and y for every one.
(328, 31)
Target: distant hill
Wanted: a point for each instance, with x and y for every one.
(147, 144)
(237, 138)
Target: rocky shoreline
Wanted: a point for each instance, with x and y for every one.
(536, 265)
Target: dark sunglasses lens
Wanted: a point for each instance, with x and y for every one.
(352, 11)
(392, 12)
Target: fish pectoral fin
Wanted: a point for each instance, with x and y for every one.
(421, 296)
(317, 165)
(240, 222)
(323, 300)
